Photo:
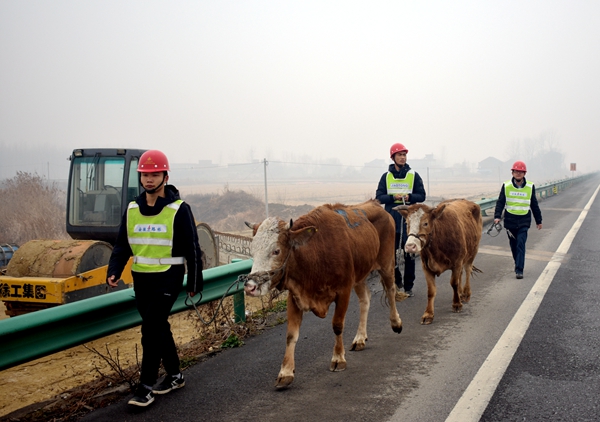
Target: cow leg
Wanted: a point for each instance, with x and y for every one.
(465, 296)
(294, 316)
(387, 280)
(455, 281)
(338, 360)
(427, 317)
(364, 302)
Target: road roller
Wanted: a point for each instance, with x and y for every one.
(47, 273)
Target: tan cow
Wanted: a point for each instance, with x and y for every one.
(447, 238)
(320, 258)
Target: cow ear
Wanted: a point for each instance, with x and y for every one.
(253, 226)
(437, 211)
(302, 236)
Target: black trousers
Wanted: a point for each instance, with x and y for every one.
(157, 340)
(409, 267)
(517, 246)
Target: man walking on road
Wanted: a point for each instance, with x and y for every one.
(518, 197)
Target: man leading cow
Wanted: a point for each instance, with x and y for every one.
(517, 197)
(401, 185)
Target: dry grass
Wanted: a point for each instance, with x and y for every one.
(30, 208)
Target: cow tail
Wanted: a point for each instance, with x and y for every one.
(474, 269)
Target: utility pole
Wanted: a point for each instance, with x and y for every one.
(428, 181)
(266, 195)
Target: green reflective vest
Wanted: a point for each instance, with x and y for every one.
(151, 238)
(518, 200)
(401, 186)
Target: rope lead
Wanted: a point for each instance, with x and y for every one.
(241, 278)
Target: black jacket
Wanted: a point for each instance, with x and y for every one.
(418, 194)
(185, 244)
(515, 222)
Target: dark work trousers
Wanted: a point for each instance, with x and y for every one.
(517, 246)
(409, 266)
(157, 340)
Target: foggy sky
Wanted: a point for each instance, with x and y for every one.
(231, 81)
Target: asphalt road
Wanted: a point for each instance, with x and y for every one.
(427, 373)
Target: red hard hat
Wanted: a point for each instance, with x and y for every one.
(519, 166)
(397, 147)
(153, 160)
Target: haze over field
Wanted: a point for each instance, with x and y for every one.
(324, 81)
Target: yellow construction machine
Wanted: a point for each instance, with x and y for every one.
(46, 273)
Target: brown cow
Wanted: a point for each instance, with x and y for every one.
(447, 238)
(319, 259)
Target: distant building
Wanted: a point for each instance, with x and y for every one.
(491, 167)
(373, 169)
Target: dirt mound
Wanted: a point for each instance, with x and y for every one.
(227, 212)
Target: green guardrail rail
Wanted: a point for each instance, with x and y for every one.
(37, 334)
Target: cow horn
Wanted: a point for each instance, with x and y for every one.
(250, 225)
(291, 223)
(400, 207)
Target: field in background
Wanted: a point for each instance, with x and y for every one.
(317, 193)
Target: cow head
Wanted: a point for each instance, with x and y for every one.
(272, 243)
(419, 224)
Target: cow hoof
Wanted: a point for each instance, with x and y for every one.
(426, 320)
(400, 296)
(457, 309)
(358, 346)
(337, 366)
(397, 329)
(284, 382)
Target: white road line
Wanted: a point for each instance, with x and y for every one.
(476, 397)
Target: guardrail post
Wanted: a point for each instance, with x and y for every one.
(239, 305)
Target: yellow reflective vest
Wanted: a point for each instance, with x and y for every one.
(151, 238)
(518, 200)
(400, 186)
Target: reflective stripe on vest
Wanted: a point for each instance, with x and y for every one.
(400, 186)
(151, 238)
(518, 200)
(157, 261)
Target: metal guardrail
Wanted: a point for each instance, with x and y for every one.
(31, 336)
(542, 192)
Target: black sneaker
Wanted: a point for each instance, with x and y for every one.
(142, 397)
(171, 382)
(519, 275)
(409, 293)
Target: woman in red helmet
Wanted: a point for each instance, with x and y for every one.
(159, 231)
(401, 185)
(518, 198)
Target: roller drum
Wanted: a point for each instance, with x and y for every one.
(58, 258)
